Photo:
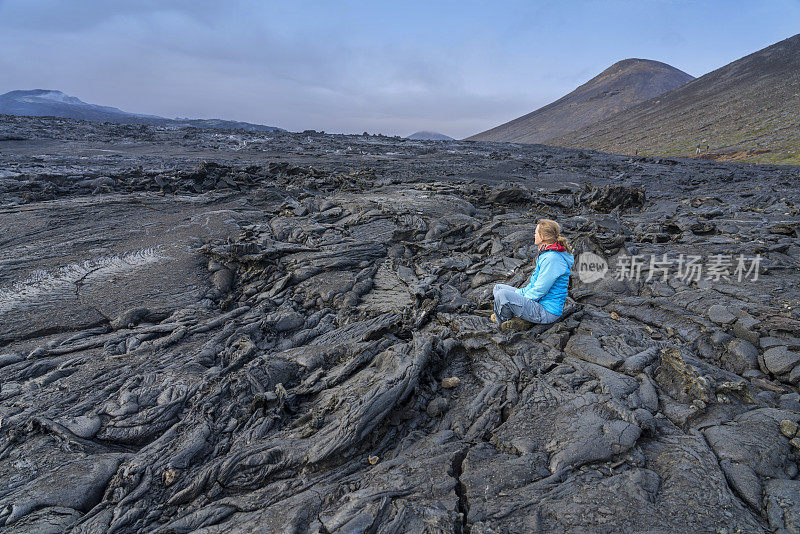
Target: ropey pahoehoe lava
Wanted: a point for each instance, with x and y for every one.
(239, 331)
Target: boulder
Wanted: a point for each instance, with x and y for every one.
(588, 348)
(720, 314)
(780, 360)
(782, 498)
(742, 356)
(743, 329)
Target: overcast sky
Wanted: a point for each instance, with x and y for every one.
(455, 67)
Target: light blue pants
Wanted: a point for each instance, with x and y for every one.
(508, 304)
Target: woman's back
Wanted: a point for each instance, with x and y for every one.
(553, 300)
(550, 280)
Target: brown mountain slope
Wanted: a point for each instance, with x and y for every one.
(746, 110)
(619, 87)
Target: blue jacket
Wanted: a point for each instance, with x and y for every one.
(548, 283)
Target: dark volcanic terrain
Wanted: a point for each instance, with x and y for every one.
(212, 331)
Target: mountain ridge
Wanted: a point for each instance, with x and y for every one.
(623, 84)
(744, 110)
(55, 103)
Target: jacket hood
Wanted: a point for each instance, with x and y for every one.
(566, 256)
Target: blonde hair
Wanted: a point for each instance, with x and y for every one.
(551, 233)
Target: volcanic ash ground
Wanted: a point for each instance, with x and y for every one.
(233, 333)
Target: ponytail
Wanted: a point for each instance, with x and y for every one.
(561, 240)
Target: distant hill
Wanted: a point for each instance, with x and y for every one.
(50, 103)
(622, 85)
(746, 110)
(429, 136)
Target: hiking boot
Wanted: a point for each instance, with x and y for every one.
(516, 325)
(493, 318)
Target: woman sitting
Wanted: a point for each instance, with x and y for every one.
(542, 300)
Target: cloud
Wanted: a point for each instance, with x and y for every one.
(177, 61)
(345, 66)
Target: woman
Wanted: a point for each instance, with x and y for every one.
(542, 300)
